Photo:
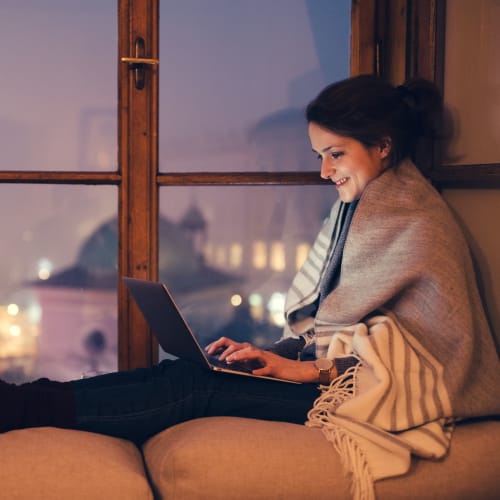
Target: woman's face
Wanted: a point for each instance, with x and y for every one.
(348, 163)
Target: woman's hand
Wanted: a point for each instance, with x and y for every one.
(270, 364)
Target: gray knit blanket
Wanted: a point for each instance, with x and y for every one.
(406, 303)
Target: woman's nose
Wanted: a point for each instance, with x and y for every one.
(326, 169)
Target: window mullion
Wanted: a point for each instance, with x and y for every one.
(138, 199)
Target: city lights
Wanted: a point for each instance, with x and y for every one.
(277, 261)
(15, 330)
(255, 300)
(236, 255)
(44, 269)
(301, 254)
(259, 254)
(236, 300)
(256, 306)
(276, 306)
(12, 309)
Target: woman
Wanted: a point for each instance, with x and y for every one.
(386, 296)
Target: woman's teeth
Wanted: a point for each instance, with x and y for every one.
(341, 181)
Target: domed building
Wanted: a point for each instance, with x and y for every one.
(78, 330)
(181, 264)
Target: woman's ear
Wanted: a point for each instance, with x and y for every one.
(385, 147)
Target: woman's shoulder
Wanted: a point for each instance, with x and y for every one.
(403, 191)
(403, 201)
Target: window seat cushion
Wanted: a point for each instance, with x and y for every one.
(47, 463)
(243, 459)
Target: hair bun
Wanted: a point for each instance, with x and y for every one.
(425, 103)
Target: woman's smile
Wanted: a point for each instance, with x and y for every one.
(347, 162)
(341, 181)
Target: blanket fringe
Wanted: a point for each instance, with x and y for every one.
(340, 390)
(352, 456)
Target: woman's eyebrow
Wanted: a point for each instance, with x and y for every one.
(324, 150)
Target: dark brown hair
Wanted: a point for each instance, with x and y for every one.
(370, 109)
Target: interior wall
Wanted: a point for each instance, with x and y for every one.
(472, 92)
(478, 212)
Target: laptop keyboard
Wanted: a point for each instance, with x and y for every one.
(239, 367)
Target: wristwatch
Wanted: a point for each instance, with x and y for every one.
(324, 366)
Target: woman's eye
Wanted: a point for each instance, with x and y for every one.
(335, 155)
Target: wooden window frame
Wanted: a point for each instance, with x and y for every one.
(138, 179)
(362, 25)
(135, 178)
(138, 167)
(409, 41)
(427, 38)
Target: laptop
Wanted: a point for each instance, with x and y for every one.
(172, 330)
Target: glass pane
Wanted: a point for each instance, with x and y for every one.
(58, 312)
(58, 84)
(235, 77)
(472, 80)
(229, 253)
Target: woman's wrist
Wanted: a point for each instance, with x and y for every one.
(310, 372)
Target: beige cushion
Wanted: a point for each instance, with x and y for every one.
(235, 458)
(228, 457)
(470, 471)
(55, 464)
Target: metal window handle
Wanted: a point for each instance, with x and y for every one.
(139, 60)
(138, 63)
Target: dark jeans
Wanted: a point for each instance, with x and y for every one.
(138, 404)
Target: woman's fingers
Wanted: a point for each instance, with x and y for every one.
(217, 345)
(267, 363)
(245, 353)
(230, 350)
(224, 347)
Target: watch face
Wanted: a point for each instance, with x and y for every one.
(323, 363)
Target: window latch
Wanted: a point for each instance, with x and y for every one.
(138, 63)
